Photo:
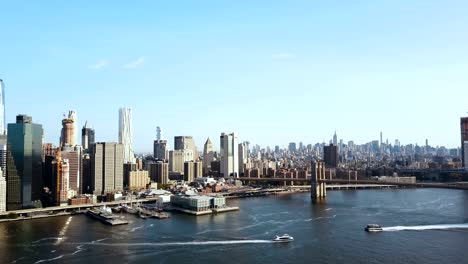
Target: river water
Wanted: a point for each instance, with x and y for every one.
(421, 226)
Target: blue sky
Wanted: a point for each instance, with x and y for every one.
(271, 71)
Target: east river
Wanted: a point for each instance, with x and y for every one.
(421, 226)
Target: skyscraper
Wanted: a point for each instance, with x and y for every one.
(464, 137)
(2, 109)
(208, 156)
(229, 155)
(74, 161)
(160, 151)
(177, 158)
(330, 156)
(125, 134)
(68, 135)
(87, 136)
(24, 162)
(106, 167)
(243, 158)
(186, 142)
(335, 139)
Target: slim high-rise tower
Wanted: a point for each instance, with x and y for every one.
(208, 156)
(2, 109)
(87, 136)
(125, 134)
(229, 155)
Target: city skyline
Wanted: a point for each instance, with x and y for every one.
(285, 61)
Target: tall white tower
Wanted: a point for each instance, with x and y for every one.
(125, 134)
(229, 155)
(2, 109)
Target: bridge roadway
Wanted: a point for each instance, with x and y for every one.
(340, 181)
(68, 208)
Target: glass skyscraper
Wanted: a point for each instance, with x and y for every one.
(24, 163)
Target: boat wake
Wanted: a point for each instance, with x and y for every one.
(425, 227)
(192, 243)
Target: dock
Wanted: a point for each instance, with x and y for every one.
(207, 212)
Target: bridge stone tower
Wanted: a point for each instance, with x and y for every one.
(318, 188)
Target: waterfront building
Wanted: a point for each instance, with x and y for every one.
(159, 172)
(3, 192)
(160, 151)
(330, 156)
(177, 158)
(107, 165)
(229, 155)
(208, 156)
(87, 136)
(125, 134)
(464, 137)
(68, 134)
(24, 162)
(197, 203)
(186, 142)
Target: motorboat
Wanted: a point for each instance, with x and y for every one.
(373, 228)
(284, 238)
(130, 209)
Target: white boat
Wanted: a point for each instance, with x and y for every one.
(130, 210)
(284, 238)
(373, 228)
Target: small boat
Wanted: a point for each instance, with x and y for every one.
(284, 238)
(373, 228)
(143, 216)
(117, 209)
(130, 210)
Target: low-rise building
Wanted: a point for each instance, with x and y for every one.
(197, 203)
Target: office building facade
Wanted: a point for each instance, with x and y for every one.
(107, 164)
(24, 162)
(208, 156)
(126, 135)
(229, 153)
(186, 142)
(330, 156)
(160, 151)
(87, 136)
